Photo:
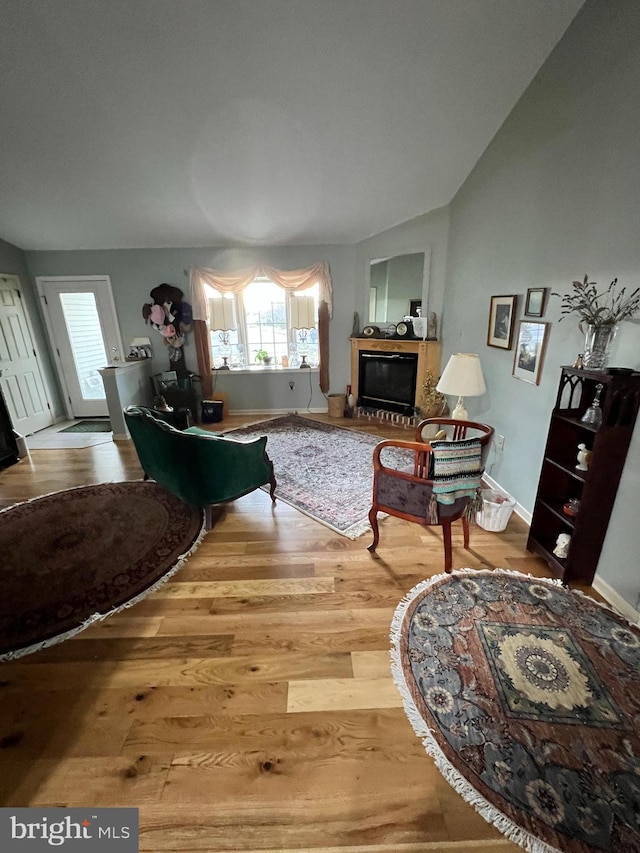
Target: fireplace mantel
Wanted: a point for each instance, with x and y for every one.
(428, 358)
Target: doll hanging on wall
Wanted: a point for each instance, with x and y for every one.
(172, 317)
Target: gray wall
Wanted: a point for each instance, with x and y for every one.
(556, 196)
(134, 272)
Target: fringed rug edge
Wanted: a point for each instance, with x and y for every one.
(454, 778)
(98, 617)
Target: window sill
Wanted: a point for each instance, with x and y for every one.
(267, 368)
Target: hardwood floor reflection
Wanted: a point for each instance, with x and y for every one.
(248, 705)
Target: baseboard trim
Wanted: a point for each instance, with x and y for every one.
(519, 510)
(616, 600)
(290, 411)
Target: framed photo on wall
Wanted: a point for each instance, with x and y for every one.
(536, 301)
(531, 342)
(502, 315)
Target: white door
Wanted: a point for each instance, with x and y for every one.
(20, 377)
(82, 322)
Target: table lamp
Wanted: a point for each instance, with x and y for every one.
(462, 377)
(303, 316)
(222, 318)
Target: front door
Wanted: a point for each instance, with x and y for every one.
(82, 322)
(20, 377)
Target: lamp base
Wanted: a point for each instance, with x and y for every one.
(304, 362)
(460, 412)
(224, 365)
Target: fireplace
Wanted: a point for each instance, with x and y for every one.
(387, 380)
(392, 384)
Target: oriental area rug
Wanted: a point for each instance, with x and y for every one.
(323, 470)
(527, 695)
(73, 557)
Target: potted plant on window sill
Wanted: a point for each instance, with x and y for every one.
(263, 357)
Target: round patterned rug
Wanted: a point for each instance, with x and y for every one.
(73, 557)
(527, 695)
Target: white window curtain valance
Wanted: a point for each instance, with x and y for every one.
(234, 282)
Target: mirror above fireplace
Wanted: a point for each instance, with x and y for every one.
(397, 287)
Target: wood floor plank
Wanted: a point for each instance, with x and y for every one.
(248, 707)
(135, 648)
(122, 780)
(337, 694)
(247, 588)
(123, 625)
(319, 736)
(177, 672)
(375, 664)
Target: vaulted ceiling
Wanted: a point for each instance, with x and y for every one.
(150, 123)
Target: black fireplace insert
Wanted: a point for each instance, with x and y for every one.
(387, 380)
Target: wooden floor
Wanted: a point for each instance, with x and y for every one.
(248, 705)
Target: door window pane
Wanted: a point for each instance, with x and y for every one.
(87, 345)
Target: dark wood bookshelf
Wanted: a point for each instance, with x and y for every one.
(595, 488)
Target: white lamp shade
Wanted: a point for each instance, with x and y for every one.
(303, 312)
(462, 376)
(222, 314)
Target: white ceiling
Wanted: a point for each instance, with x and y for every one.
(150, 123)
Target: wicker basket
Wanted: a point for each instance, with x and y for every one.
(496, 510)
(336, 403)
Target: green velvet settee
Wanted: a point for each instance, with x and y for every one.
(200, 467)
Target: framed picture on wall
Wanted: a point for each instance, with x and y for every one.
(531, 342)
(502, 315)
(536, 301)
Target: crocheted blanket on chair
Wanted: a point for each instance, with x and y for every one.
(456, 472)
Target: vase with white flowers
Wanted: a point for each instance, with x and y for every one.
(600, 315)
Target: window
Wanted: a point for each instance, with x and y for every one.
(261, 314)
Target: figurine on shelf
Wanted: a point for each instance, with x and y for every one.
(579, 362)
(584, 457)
(593, 415)
(562, 546)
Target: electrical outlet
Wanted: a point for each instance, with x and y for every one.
(292, 384)
(499, 442)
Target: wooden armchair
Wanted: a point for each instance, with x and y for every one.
(409, 493)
